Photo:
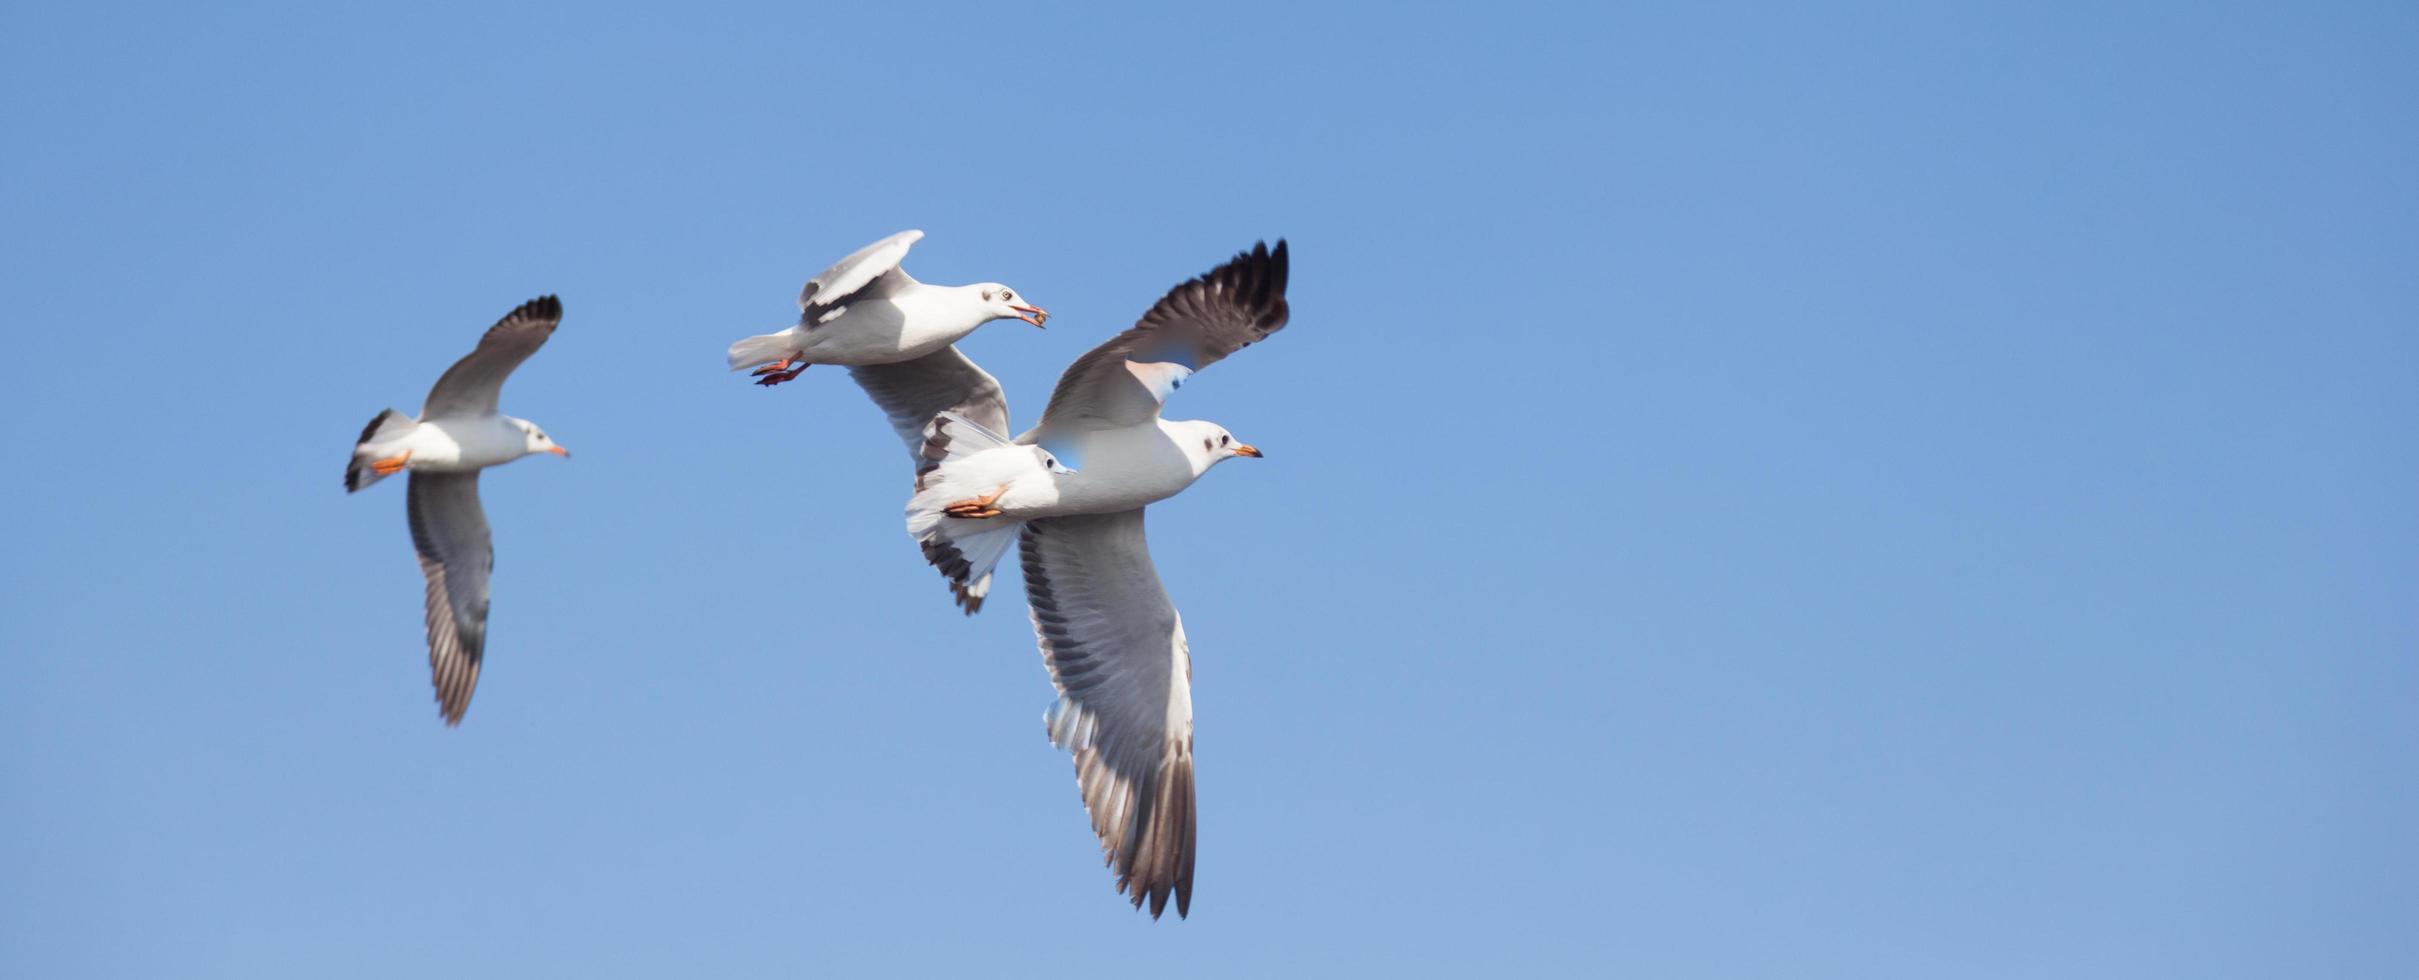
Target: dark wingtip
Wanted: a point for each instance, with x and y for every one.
(954, 567)
(1257, 278)
(1162, 864)
(545, 307)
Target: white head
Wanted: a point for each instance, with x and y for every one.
(1003, 303)
(1209, 444)
(1050, 462)
(534, 440)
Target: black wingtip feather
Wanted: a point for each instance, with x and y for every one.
(953, 566)
(1226, 309)
(1279, 269)
(545, 307)
(1257, 278)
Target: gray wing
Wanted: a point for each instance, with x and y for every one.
(472, 385)
(1123, 382)
(911, 392)
(1116, 650)
(867, 273)
(449, 529)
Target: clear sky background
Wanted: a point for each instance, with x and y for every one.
(1873, 491)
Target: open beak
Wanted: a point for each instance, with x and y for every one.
(1032, 314)
(1247, 449)
(559, 451)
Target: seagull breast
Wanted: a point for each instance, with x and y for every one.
(1122, 468)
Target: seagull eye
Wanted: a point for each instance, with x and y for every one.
(1223, 440)
(1011, 294)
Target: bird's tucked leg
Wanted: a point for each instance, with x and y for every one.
(780, 371)
(977, 508)
(392, 464)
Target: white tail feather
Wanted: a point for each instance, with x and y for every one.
(764, 348)
(385, 427)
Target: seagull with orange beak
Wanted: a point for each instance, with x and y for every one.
(1070, 494)
(867, 314)
(459, 432)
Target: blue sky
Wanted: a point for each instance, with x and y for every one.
(1868, 491)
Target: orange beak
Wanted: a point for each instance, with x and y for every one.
(1032, 314)
(1247, 449)
(559, 451)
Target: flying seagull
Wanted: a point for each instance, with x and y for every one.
(459, 432)
(892, 332)
(1073, 489)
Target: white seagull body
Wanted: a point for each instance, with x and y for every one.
(867, 312)
(459, 432)
(1073, 490)
(1125, 468)
(450, 445)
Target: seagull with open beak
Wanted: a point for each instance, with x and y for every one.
(865, 310)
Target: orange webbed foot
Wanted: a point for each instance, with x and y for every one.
(977, 508)
(779, 371)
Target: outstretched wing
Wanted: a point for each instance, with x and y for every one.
(449, 530)
(911, 392)
(472, 385)
(1123, 382)
(1116, 650)
(867, 273)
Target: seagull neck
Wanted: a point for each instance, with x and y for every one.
(953, 309)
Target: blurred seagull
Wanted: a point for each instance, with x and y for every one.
(1074, 488)
(459, 432)
(867, 313)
